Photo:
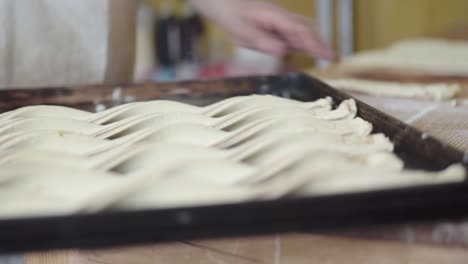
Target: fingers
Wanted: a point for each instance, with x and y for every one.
(295, 32)
(310, 40)
(268, 28)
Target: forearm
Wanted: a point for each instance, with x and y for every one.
(261, 25)
(222, 11)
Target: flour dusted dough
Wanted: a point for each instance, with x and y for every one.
(161, 120)
(230, 105)
(36, 189)
(160, 154)
(292, 121)
(333, 182)
(434, 91)
(424, 55)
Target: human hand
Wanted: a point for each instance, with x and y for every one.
(263, 26)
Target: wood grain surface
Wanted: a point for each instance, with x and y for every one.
(276, 249)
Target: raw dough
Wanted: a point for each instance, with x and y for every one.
(160, 154)
(423, 55)
(434, 91)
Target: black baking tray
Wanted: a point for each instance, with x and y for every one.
(331, 212)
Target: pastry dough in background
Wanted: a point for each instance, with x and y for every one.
(423, 56)
(405, 69)
(432, 91)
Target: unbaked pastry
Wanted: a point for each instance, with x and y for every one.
(423, 55)
(160, 106)
(346, 110)
(164, 154)
(433, 91)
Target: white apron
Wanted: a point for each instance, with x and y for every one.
(66, 42)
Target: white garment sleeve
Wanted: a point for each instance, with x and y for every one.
(53, 42)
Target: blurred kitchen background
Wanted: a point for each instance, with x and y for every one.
(176, 43)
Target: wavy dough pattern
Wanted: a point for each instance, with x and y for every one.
(57, 160)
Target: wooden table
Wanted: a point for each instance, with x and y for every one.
(285, 248)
